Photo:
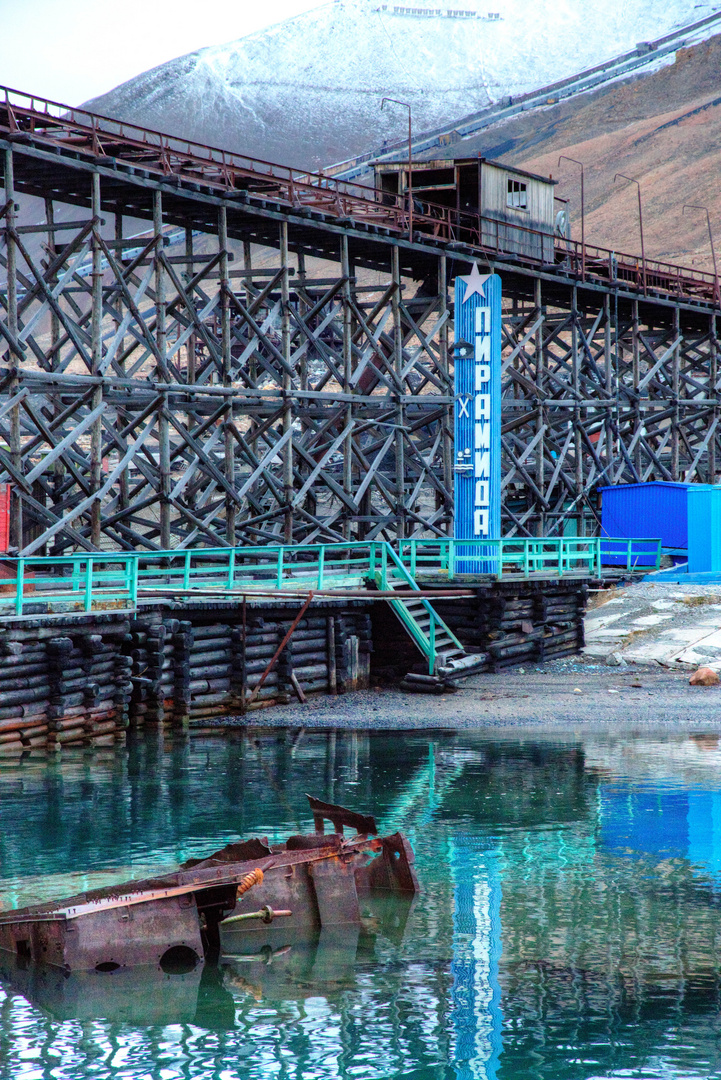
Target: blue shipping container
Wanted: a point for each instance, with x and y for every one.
(704, 528)
(657, 509)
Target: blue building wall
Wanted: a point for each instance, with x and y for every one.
(704, 528)
(657, 509)
(664, 824)
(637, 820)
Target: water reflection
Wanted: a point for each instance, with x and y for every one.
(569, 923)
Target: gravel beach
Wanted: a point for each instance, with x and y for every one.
(575, 691)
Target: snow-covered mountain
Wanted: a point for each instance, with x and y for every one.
(307, 92)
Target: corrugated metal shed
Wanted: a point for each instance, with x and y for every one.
(510, 197)
(517, 207)
(704, 528)
(657, 509)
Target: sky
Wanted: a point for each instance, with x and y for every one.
(73, 50)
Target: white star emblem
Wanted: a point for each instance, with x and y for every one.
(475, 282)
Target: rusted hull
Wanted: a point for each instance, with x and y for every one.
(127, 936)
(311, 883)
(274, 964)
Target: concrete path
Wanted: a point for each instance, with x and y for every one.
(669, 624)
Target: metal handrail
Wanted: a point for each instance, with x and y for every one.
(83, 583)
(633, 548)
(528, 556)
(89, 582)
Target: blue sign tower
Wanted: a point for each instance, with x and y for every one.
(477, 463)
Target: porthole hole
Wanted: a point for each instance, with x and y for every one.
(107, 965)
(178, 959)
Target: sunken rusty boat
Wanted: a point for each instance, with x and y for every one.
(311, 882)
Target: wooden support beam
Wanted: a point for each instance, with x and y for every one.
(161, 343)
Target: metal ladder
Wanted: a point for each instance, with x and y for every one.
(447, 658)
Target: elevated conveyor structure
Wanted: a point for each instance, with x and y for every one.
(200, 349)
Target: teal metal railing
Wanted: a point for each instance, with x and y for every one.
(86, 583)
(71, 584)
(521, 557)
(527, 557)
(388, 576)
(636, 553)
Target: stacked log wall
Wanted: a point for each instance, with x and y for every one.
(63, 685)
(208, 664)
(522, 625)
(83, 682)
(505, 625)
(82, 685)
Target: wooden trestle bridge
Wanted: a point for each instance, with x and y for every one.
(199, 349)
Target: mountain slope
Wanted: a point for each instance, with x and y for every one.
(662, 129)
(307, 91)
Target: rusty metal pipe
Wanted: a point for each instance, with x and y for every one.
(691, 206)
(280, 648)
(266, 915)
(640, 223)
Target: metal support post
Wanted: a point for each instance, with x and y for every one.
(16, 504)
(347, 372)
(400, 415)
(713, 381)
(228, 440)
(576, 382)
(542, 411)
(161, 342)
(636, 377)
(676, 378)
(443, 363)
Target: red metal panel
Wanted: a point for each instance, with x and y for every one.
(5, 497)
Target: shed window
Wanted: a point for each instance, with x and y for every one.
(517, 195)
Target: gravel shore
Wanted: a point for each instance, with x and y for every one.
(570, 691)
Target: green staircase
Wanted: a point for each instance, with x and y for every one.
(446, 657)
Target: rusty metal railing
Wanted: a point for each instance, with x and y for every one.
(28, 116)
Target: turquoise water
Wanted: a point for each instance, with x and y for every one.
(569, 923)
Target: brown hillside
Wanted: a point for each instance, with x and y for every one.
(664, 129)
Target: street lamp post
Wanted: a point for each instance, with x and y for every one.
(640, 222)
(410, 161)
(565, 157)
(692, 206)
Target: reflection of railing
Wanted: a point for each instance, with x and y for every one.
(245, 178)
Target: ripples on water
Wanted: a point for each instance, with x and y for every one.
(568, 926)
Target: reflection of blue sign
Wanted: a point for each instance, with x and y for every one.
(476, 994)
(477, 416)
